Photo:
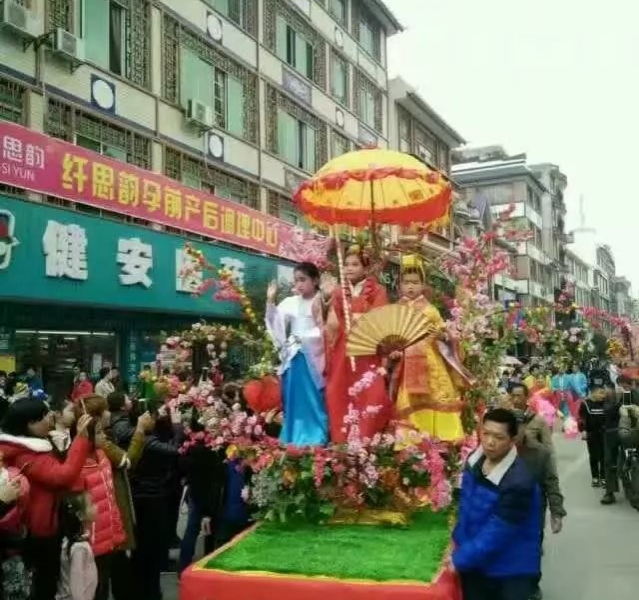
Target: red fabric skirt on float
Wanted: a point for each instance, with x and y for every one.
(201, 583)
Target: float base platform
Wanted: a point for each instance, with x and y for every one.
(339, 562)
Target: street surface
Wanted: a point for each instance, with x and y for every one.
(594, 557)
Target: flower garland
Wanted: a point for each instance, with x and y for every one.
(310, 484)
(227, 287)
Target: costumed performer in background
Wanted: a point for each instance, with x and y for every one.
(363, 293)
(296, 326)
(563, 395)
(578, 383)
(430, 376)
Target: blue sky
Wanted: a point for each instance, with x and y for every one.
(556, 79)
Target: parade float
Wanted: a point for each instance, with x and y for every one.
(368, 517)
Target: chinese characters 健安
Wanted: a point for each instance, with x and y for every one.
(65, 248)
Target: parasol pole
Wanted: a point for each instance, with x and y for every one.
(373, 230)
(342, 280)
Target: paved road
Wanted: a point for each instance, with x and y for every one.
(596, 555)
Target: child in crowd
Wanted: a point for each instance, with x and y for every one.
(14, 498)
(78, 572)
(591, 423)
(64, 419)
(96, 479)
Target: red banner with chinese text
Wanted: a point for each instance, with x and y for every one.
(39, 163)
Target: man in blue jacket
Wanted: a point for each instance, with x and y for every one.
(498, 533)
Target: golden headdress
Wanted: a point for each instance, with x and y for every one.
(413, 263)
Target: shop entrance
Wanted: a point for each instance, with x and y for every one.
(54, 353)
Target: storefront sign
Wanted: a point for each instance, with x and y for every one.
(63, 256)
(40, 163)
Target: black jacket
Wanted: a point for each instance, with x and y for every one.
(592, 417)
(611, 412)
(205, 473)
(153, 475)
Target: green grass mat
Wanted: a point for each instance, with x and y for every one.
(344, 551)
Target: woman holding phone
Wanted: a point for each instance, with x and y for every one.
(25, 445)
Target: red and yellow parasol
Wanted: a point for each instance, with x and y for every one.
(376, 186)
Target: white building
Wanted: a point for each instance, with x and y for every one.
(490, 177)
(581, 276)
(242, 98)
(553, 213)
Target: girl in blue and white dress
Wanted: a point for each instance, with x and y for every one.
(296, 326)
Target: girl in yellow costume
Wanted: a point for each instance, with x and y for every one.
(430, 376)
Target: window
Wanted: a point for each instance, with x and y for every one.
(366, 28)
(339, 78)
(424, 153)
(12, 104)
(283, 208)
(104, 34)
(69, 123)
(197, 174)
(12, 108)
(78, 18)
(425, 146)
(233, 10)
(442, 157)
(295, 141)
(367, 107)
(210, 85)
(293, 48)
(341, 145)
(366, 38)
(337, 9)
(101, 148)
(226, 192)
(191, 180)
(404, 133)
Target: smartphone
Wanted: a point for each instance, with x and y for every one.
(627, 399)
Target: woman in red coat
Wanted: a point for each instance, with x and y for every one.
(25, 445)
(82, 387)
(96, 479)
(363, 293)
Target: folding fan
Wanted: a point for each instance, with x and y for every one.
(391, 327)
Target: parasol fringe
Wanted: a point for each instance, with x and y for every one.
(342, 280)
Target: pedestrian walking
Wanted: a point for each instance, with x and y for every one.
(543, 466)
(498, 533)
(591, 424)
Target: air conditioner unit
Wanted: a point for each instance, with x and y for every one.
(199, 113)
(20, 20)
(68, 46)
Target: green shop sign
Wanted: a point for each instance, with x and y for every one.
(59, 256)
